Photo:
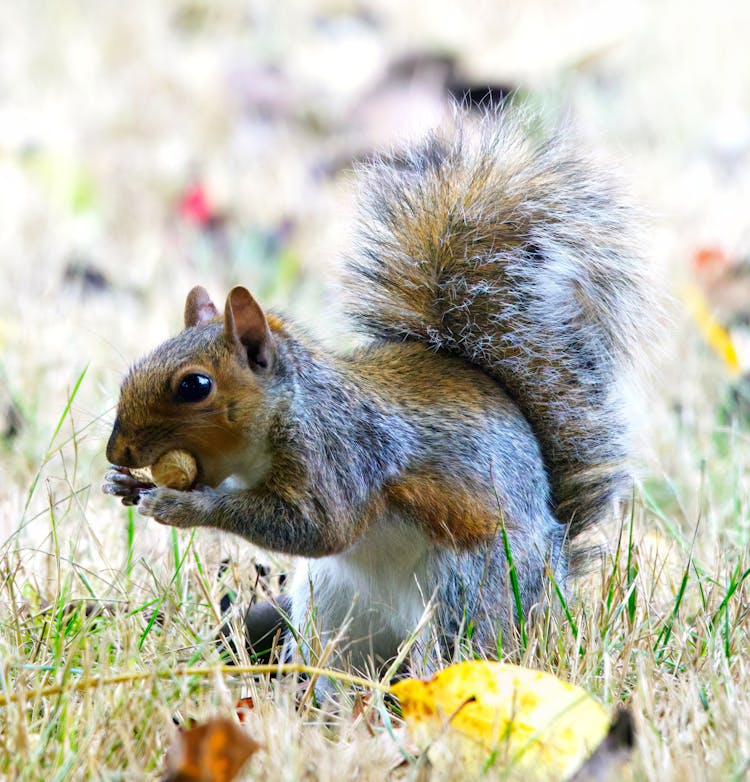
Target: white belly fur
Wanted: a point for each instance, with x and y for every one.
(379, 588)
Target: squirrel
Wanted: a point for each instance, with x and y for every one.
(504, 310)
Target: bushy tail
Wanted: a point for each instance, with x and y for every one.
(502, 246)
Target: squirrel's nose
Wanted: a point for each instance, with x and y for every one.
(118, 450)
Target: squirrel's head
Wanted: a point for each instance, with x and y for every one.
(204, 391)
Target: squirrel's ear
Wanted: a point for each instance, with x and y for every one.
(198, 307)
(245, 323)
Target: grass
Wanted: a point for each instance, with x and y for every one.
(108, 621)
(98, 664)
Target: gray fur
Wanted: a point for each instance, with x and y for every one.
(488, 263)
(338, 441)
(508, 249)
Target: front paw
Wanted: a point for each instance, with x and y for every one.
(120, 482)
(169, 506)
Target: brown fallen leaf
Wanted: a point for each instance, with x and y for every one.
(214, 751)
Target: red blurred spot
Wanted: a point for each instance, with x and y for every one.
(195, 205)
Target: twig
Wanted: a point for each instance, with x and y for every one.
(100, 681)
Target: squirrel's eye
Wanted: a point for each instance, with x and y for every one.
(194, 388)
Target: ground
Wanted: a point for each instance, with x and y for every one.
(148, 147)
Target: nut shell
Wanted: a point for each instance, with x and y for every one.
(175, 469)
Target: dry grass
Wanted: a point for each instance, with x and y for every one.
(105, 116)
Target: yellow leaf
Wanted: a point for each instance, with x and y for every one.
(483, 714)
(713, 332)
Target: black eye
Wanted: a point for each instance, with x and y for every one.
(194, 388)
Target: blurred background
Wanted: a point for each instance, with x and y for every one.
(147, 147)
